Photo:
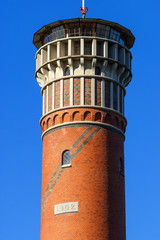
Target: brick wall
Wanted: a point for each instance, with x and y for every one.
(93, 180)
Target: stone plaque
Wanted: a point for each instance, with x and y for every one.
(66, 208)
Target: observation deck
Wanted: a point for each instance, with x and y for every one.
(83, 63)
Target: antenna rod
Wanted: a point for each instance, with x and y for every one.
(83, 4)
(83, 9)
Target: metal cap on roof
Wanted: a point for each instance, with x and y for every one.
(127, 34)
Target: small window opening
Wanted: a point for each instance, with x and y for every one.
(87, 47)
(67, 71)
(76, 48)
(66, 49)
(121, 166)
(66, 158)
(100, 48)
(97, 71)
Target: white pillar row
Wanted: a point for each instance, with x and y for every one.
(93, 91)
(61, 93)
(103, 93)
(111, 95)
(71, 91)
(53, 94)
(82, 90)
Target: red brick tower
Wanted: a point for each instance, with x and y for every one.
(83, 67)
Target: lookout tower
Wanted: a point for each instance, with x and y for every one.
(83, 67)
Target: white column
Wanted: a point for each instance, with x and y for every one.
(111, 95)
(82, 46)
(69, 47)
(48, 53)
(82, 90)
(93, 91)
(71, 91)
(116, 52)
(61, 93)
(118, 98)
(58, 50)
(103, 93)
(94, 47)
(47, 99)
(106, 49)
(53, 94)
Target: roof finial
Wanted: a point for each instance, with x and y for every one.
(83, 9)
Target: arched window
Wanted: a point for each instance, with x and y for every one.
(66, 158)
(97, 71)
(67, 71)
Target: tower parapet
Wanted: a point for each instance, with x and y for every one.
(83, 67)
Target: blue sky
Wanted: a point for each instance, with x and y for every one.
(20, 98)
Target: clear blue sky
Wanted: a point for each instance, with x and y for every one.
(20, 98)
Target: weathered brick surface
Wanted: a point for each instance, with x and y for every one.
(93, 181)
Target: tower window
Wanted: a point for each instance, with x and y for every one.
(88, 47)
(102, 31)
(97, 71)
(67, 71)
(76, 48)
(66, 49)
(100, 48)
(114, 35)
(121, 166)
(66, 158)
